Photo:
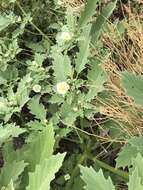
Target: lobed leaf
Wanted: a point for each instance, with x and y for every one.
(88, 12)
(84, 51)
(45, 173)
(135, 181)
(11, 171)
(98, 26)
(37, 109)
(95, 180)
(125, 156)
(9, 187)
(136, 175)
(129, 152)
(4, 22)
(9, 131)
(96, 79)
(138, 163)
(133, 86)
(61, 65)
(41, 147)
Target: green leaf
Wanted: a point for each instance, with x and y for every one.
(88, 12)
(10, 155)
(39, 58)
(136, 175)
(82, 56)
(39, 47)
(11, 171)
(35, 125)
(137, 142)
(41, 147)
(67, 66)
(97, 27)
(11, 73)
(3, 105)
(138, 163)
(37, 109)
(70, 19)
(135, 181)
(4, 22)
(56, 99)
(61, 65)
(125, 156)
(78, 184)
(9, 131)
(67, 114)
(129, 152)
(95, 180)
(84, 51)
(133, 86)
(96, 79)
(9, 187)
(45, 173)
(22, 94)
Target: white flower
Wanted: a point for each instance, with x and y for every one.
(65, 36)
(67, 177)
(37, 88)
(62, 87)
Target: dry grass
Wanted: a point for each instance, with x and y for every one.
(76, 4)
(126, 54)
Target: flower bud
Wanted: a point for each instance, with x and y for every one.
(37, 88)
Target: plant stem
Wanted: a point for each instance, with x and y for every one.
(118, 172)
(102, 164)
(25, 14)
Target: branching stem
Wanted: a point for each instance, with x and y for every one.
(25, 14)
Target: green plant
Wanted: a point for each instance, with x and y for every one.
(97, 180)
(32, 163)
(133, 87)
(54, 89)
